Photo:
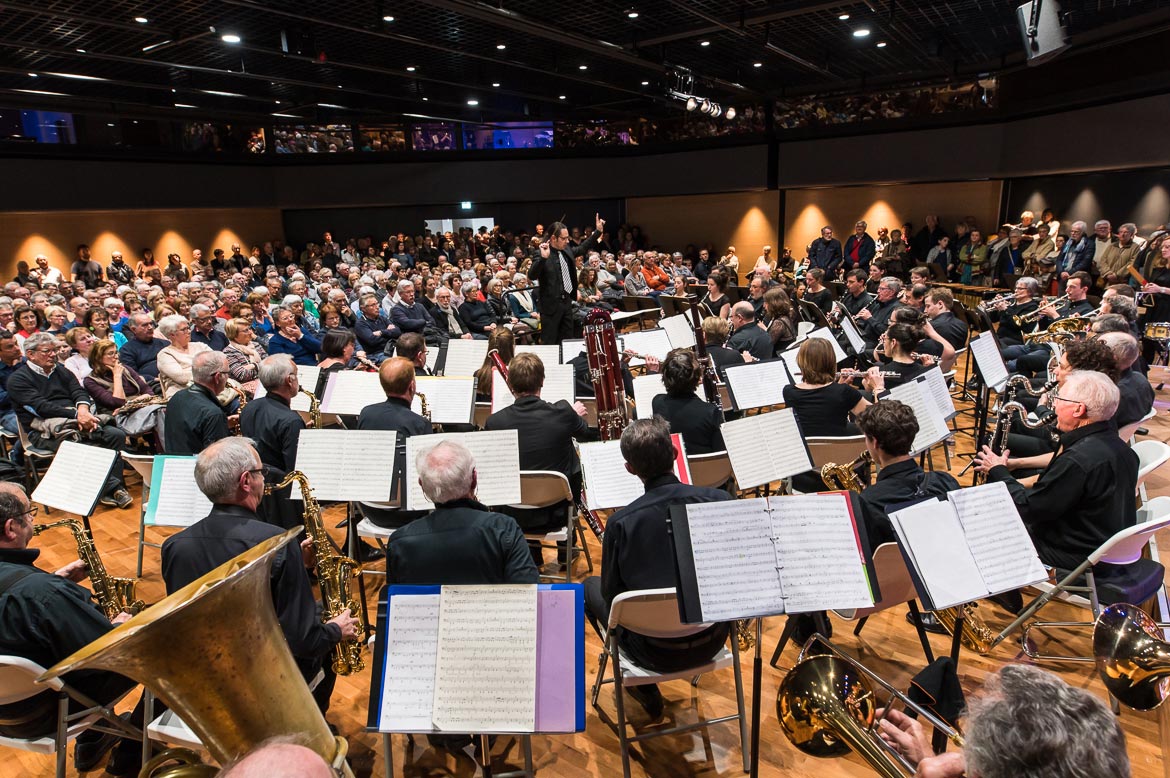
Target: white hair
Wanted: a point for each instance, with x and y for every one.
(1095, 390)
(275, 370)
(446, 472)
(219, 467)
(168, 325)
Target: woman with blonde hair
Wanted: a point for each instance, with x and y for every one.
(243, 353)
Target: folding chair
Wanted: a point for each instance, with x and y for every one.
(1128, 432)
(482, 411)
(654, 613)
(545, 489)
(1152, 454)
(18, 681)
(713, 470)
(6, 441)
(33, 455)
(837, 450)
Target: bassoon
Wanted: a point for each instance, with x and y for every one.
(609, 389)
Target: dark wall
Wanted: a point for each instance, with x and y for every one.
(301, 225)
(1138, 196)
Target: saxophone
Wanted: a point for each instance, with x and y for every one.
(314, 409)
(333, 576)
(114, 595)
(844, 477)
(423, 407)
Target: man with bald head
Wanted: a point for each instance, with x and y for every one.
(279, 758)
(747, 335)
(195, 419)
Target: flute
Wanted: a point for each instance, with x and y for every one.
(863, 373)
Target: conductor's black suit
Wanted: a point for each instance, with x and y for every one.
(557, 296)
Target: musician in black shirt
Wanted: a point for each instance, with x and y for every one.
(695, 419)
(875, 318)
(938, 308)
(1026, 291)
(816, 292)
(855, 297)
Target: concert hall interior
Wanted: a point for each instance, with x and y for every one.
(381, 380)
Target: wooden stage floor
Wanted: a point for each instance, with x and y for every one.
(888, 645)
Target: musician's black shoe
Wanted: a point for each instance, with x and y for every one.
(369, 553)
(649, 698)
(1012, 602)
(929, 622)
(91, 748)
(119, 498)
(126, 759)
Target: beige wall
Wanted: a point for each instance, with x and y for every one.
(57, 233)
(746, 220)
(806, 211)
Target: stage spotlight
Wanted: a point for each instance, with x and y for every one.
(705, 107)
(692, 103)
(731, 112)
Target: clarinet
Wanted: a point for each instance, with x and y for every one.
(709, 378)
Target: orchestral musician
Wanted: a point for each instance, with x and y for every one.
(195, 419)
(1026, 292)
(687, 414)
(276, 429)
(875, 318)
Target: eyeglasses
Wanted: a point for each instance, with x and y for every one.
(1066, 399)
(31, 514)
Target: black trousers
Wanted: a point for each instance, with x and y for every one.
(556, 320)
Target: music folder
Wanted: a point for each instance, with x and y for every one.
(766, 447)
(757, 384)
(76, 478)
(969, 546)
(773, 555)
(989, 362)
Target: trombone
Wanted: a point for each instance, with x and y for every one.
(827, 708)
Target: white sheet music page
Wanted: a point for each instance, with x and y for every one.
(412, 647)
(76, 478)
(607, 482)
(464, 357)
(932, 427)
(989, 360)
(824, 333)
(853, 335)
(997, 537)
(819, 553)
(307, 376)
(931, 533)
(347, 464)
(680, 330)
(735, 560)
(549, 355)
(558, 385)
(936, 387)
(571, 349)
(655, 343)
(177, 501)
(765, 448)
(432, 358)
(789, 358)
(349, 391)
(485, 676)
(497, 465)
(758, 384)
(449, 400)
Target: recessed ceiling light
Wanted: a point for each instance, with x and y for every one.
(843, 17)
(339, 86)
(881, 44)
(582, 67)
(496, 84)
(501, 46)
(34, 75)
(561, 97)
(141, 19)
(410, 68)
(645, 83)
(632, 14)
(426, 99)
(183, 105)
(757, 64)
(333, 105)
(276, 101)
(704, 43)
(230, 38)
(221, 94)
(863, 32)
(473, 102)
(41, 92)
(76, 76)
(80, 51)
(109, 124)
(387, 18)
(287, 115)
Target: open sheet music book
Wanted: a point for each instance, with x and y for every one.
(307, 376)
(654, 343)
(549, 355)
(571, 349)
(934, 388)
(756, 384)
(449, 400)
(988, 360)
(680, 330)
(765, 448)
(349, 391)
(76, 478)
(558, 385)
(480, 659)
(607, 483)
(932, 424)
(497, 465)
(766, 556)
(175, 499)
(646, 388)
(969, 546)
(461, 357)
(789, 358)
(347, 465)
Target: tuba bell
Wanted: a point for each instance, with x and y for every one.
(1132, 659)
(221, 626)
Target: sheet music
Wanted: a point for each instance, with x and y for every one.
(757, 384)
(349, 391)
(464, 357)
(307, 376)
(76, 478)
(931, 534)
(932, 426)
(175, 499)
(680, 330)
(853, 335)
(549, 355)
(497, 465)
(432, 358)
(571, 349)
(824, 333)
(936, 387)
(558, 385)
(818, 553)
(412, 646)
(646, 388)
(735, 559)
(347, 464)
(607, 482)
(449, 400)
(789, 357)
(996, 535)
(485, 674)
(765, 448)
(989, 360)
(655, 343)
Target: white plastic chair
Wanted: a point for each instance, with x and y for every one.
(1127, 432)
(1152, 454)
(654, 613)
(803, 328)
(544, 489)
(18, 681)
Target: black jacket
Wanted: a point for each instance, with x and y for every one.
(276, 430)
(879, 321)
(460, 542)
(547, 272)
(898, 484)
(751, 338)
(1137, 397)
(194, 421)
(695, 419)
(952, 330)
(1083, 497)
(546, 431)
(395, 414)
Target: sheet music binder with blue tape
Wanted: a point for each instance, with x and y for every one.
(769, 556)
(559, 700)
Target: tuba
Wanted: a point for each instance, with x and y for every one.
(1132, 659)
(333, 575)
(314, 408)
(114, 595)
(221, 626)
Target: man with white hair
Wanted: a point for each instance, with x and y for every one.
(1077, 254)
(276, 429)
(460, 541)
(1086, 494)
(195, 419)
(409, 315)
(1136, 396)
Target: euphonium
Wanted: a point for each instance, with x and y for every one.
(222, 626)
(1132, 659)
(1061, 329)
(976, 635)
(333, 575)
(314, 408)
(844, 477)
(114, 595)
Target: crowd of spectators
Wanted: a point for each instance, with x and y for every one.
(329, 139)
(888, 105)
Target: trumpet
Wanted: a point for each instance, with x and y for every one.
(1037, 314)
(987, 305)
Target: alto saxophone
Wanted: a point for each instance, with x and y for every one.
(423, 407)
(333, 575)
(844, 477)
(114, 595)
(314, 409)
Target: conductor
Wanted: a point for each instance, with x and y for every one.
(555, 271)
